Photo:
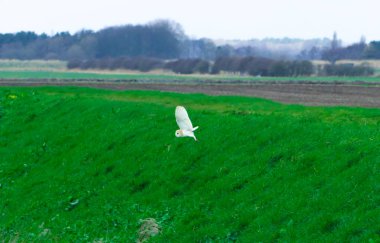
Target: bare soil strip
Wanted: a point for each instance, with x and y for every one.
(311, 94)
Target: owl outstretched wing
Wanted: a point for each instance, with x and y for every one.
(183, 119)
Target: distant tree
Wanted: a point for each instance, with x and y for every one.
(280, 68)
(158, 39)
(188, 66)
(335, 43)
(262, 66)
(348, 70)
(313, 53)
(224, 51)
(333, 54)
(373, 50)
(202, 66)
(354, 51)
(259, 66)
(199, 48)
(75, 52)
(72, 64)
(302, 68)
(245, 51)
(138, 63)
(165, 39)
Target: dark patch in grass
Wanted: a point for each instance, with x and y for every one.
(320, 184)
(211, 177)
(176, 193)
(18, 172)
(193, 164)
(356, 233)
(186, 180)
(88, 158)
(281, 220)
(330, 226)
(304, 167)
(30, 118)
(224, 171)
(240, 185)
(139, 186)
(128, 139)
(6, 203)
(352, 162)
(109, 169)
(111, 146)
(241, 113)
(276, 237)
(138, 173)
(355, 160)
(274, 160)
(194, 219)
(117, 175)
(243, 225)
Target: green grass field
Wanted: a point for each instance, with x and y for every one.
(85, 165)
(154, 77)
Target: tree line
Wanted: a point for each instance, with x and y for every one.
(254, 66)
(335, 52)
(160, 39)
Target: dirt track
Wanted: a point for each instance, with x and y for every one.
(303, 93)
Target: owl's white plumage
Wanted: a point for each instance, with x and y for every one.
(186, 128)
(183, 119)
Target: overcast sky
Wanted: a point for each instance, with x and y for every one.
(217, 19)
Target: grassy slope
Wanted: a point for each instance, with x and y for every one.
(108, 75)
(261, 171)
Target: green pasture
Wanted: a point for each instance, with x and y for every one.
(153, 77)
(85, 165)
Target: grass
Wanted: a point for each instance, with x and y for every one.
(153, 77)
(83, 165)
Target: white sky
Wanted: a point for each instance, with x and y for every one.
(217, 19)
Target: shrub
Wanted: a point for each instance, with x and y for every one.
(143, 64)
(188, 66)
(262, 66)
(348, 70)
(73, 64)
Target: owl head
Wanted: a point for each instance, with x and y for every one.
(179, 133)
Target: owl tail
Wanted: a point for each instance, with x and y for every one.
(195, 128)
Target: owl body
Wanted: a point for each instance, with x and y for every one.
(186, 128)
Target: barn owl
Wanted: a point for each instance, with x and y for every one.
(186, 129)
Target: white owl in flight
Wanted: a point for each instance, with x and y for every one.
(186, 129)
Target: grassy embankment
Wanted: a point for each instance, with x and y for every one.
(82, 164)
